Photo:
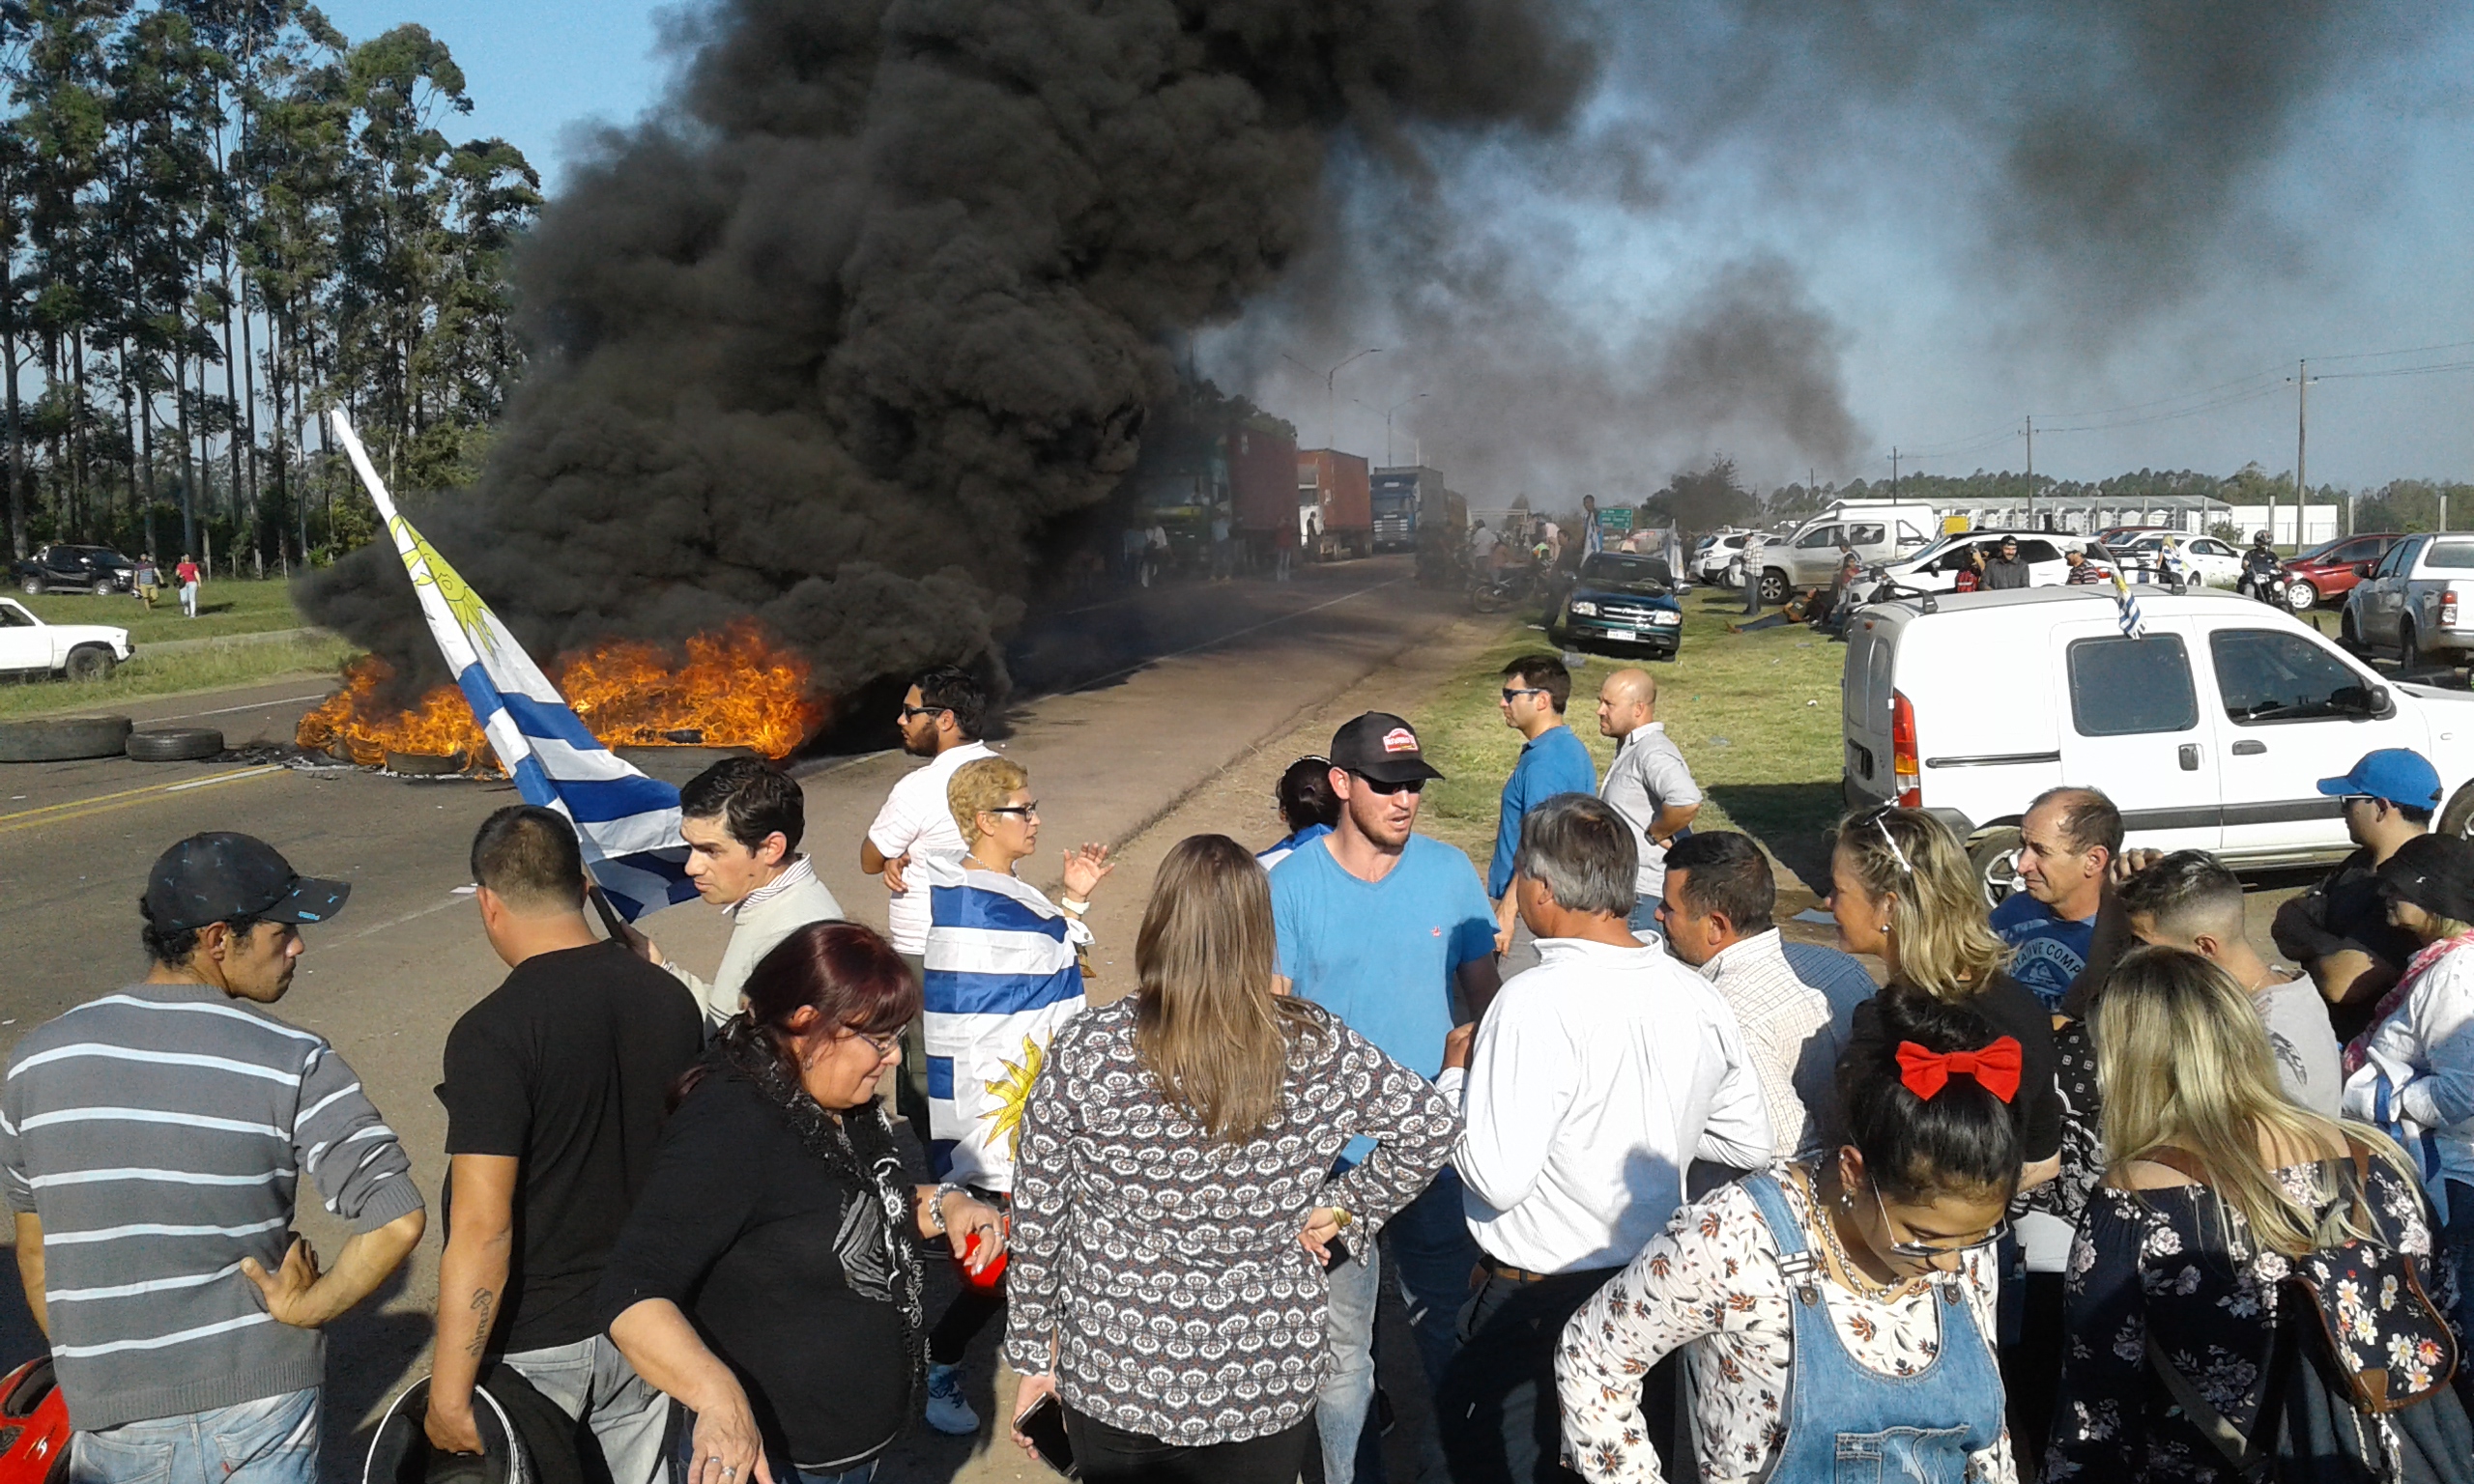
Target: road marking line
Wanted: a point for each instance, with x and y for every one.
(260, 707)
(80, 809)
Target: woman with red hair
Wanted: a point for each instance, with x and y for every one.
(768, 1278)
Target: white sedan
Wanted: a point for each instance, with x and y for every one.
(2211, 561)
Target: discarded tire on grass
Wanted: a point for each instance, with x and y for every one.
(63, 738)
(175, 744)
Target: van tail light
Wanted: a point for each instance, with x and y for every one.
(2448, 608)
(1907, 777)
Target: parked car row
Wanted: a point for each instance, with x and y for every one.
(2210, 730)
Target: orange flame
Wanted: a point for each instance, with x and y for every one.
(734, 689)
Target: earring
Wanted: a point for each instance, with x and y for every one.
(1886, 925)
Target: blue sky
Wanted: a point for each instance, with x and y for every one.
(537, 69)
(2360, 238)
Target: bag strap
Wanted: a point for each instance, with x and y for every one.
(2178, 1160)
(2237, 1449)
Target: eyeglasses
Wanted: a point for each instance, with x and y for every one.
(886, 1042)
(1030, 811)
(1924, 1251)
(1879, 821)
(1515, 693)
(907, 712)
(1378, 786)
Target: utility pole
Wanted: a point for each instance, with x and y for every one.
(1386, 421)
(2301, 447)
(1331, 404)
(2031, 470)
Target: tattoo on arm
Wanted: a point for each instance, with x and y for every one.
(484, 1302)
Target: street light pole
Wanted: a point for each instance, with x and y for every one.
(1386, 421)
(1331, 405)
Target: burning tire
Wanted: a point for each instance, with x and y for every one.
(175, 744)
(425, 764)
(64, 738)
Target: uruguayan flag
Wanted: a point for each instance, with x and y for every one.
(2131, 624)
(628, 823)
(1000, 977)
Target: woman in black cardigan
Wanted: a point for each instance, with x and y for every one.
(768, 1278)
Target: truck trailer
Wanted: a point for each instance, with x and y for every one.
(1335, 494)
(1401, 498)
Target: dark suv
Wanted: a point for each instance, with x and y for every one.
(95, 569)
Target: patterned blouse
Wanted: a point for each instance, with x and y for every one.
(2157, 1259)
(1712, 1277)
(1166, 1267)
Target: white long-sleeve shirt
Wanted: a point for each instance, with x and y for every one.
(1596, 1079)
(2425, 1049)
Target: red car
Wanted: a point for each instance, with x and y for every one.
(2329, 570)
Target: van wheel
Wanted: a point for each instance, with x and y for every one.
(1773, 586)
(1994, 857)
(2457, 820)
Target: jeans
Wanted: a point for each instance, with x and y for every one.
(1645, 915)
(1501, 1420)
(591, 1381)
(1110, 1455)
(1751, 590)
(271, 1440)
(1429, 1249)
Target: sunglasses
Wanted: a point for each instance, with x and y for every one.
(907, 712)
(1879, 820)
(1515, 693)
(1925, 1251)
(1028, 810)
(1377, 786)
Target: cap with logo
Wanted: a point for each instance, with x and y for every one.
(2398, 774)
(2436, 872)
(219, 875)
(1382, 747)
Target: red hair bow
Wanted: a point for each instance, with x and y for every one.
(1995, 1068)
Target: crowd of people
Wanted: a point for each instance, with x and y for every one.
(2076, 1187)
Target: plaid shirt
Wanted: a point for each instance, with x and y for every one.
(1795, 1001)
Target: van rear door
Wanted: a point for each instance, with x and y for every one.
(2133, 727)
(1865, 711)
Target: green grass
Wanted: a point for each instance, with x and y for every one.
(211, 667)
(1756, 716)
(224, 607)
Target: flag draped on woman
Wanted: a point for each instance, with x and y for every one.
(627, 822)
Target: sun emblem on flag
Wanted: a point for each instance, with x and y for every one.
(433, 571)
(1012, 1090)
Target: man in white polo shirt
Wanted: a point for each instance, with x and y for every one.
(941, 720)
(1590, 1084)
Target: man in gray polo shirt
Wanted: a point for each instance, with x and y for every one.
(1647, 783)
(150, 1145)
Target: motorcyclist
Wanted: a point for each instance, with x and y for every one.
(2259, 568)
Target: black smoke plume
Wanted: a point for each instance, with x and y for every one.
(892, 288)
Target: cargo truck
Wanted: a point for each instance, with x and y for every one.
(1401, 498)
(1336, 490)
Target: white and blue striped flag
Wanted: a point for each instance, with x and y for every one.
(1000, 975)
(2133, 626)
(627, 822)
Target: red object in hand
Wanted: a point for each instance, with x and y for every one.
(990, 1276)
(34, 1425)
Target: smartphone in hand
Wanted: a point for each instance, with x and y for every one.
(1044, 1426)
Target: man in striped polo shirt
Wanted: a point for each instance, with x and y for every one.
(150, 1142)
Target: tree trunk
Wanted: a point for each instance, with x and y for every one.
(16, 422)
(249, 406)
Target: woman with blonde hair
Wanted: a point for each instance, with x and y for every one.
(1174, 1209)
(1902, 891)
(2217, 1188)
(1002, 970)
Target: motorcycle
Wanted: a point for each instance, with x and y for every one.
(1493, 592)
(2271, 585)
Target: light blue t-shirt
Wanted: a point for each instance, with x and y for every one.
(1380, 955)
(1556, 762)
(2051, 950)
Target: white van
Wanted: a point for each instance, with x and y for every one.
(2210, 732)
(1879, 530)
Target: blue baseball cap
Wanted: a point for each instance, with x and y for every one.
(2398, 774)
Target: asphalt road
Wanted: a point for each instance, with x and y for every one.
(1160, 693)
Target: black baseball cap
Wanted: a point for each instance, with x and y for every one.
(1382, 747)
(219, 875)
(2436, 872)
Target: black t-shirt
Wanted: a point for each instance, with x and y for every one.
(2012, 1009)
(783, 1266)
(567, 1066)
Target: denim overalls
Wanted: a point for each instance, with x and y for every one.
(1848, 1425)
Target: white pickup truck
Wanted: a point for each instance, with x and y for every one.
(30, 648)
(2418, 602)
